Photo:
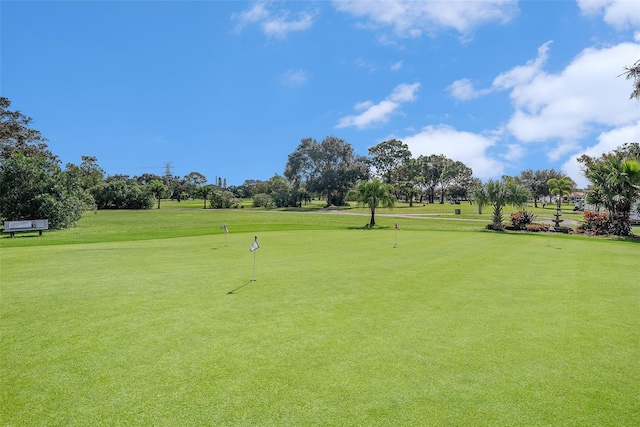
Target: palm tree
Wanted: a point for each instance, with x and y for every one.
(158, 189)
(560, 187)
(480, 196)
(204, 192)
(615, 185)
(373, 194)
(633, 73)
(501, 193)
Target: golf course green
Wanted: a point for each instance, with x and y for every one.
(160, 318)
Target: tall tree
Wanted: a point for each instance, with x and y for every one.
(330, 168)
(410, 180)
(615, 184)
(192, 182)
(456, 175)
(433, 167)
(387, 157)
(374, 194)
(91, 173)
(16, 134)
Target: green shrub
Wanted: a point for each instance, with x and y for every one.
(262, 200)
(222, 199)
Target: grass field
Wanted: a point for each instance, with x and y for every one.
(128, 319)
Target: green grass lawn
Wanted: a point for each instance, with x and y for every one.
(127, 319)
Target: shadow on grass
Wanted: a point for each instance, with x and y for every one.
(366, 227)
(232, 292)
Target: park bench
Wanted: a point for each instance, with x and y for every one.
(27, 225)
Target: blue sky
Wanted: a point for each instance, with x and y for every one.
(229, 88)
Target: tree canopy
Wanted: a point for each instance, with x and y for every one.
(328, 168)
(387, 157)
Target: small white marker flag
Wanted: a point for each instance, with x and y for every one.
(255, 244)
(397, 226)
(224, 228)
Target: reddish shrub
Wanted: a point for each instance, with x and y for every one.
(520, 220)
(595, 223)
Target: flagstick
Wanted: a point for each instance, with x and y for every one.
(253, 279)
(253, 249)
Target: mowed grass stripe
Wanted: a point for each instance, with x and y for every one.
(340, 328)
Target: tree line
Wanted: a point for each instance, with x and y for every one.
(34, 185)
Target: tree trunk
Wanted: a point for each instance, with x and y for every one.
(621, 223)
(158, 202)
(372, 223)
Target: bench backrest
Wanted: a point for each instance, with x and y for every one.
(26, 225)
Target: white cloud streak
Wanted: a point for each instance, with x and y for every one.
(274, 24)
(408, 19)
(376, 114)
(295, 78)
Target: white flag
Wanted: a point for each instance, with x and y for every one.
(255, 245)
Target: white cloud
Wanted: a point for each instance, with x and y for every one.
(561, 150)
(607, 142)
(295, 78)
(467, 147)
(567, 105)
(409, 18)
(620, 14)
(374, 114)
(397, 66)
(463, 90)
(515, 152)
(404, 92)
(277, 25)
(523, 74)
(362, 63)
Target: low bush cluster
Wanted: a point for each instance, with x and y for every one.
(520, 220)
(537, 227)
(595, 223)
(223, 199)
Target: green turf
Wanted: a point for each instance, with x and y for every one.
(127, 320)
